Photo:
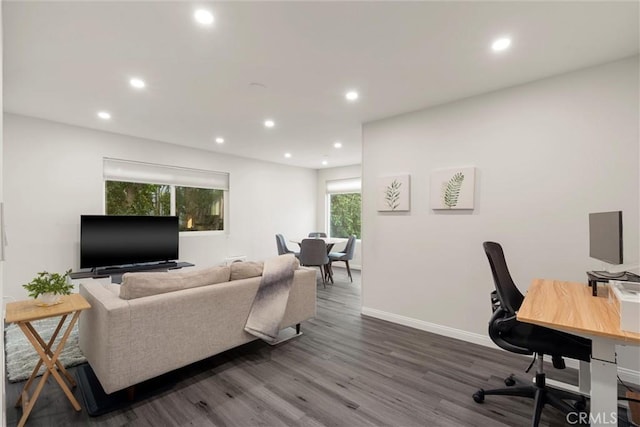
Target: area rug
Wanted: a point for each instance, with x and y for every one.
(21, 357)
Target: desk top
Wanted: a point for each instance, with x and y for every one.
(570, 307)
(28, 310)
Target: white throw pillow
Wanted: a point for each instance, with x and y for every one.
(138, 285)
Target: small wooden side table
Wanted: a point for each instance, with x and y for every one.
(25, 312)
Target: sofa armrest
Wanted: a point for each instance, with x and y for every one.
(104, 334)
(302, 298)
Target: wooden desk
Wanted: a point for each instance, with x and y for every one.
(25, 312)
(570, 307)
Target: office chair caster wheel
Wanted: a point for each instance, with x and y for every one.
(580, 405)
(510, 381)
(478, 396)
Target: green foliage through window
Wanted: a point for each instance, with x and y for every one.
(345, 214)
(199, 208)
(131, 198)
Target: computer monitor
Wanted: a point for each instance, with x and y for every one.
(605, 236)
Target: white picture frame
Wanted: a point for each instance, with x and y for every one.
(394, 193)
(453, 188)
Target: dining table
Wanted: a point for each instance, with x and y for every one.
(329, 241)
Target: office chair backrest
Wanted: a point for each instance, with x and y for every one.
(313, 252)
(282, 246)
(317, 234)
(508, 294)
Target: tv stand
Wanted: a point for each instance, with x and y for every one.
(119, 270)
(135, 267)
(603, 276)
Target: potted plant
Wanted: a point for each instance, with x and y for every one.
(49, 287)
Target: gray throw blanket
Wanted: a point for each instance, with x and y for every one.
(270, 302)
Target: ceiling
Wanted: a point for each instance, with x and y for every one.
(289, 61)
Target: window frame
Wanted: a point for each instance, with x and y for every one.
(173, 176)
(172, 190)
(225, 214)
(341, 186)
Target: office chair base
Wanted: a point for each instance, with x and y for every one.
(540, 393)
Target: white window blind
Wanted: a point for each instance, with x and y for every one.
(150, 173)
(350, 185)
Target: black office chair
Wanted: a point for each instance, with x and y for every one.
(525, 338)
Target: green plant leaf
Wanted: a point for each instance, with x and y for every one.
(49, 282)
(452, 190)
(392, 194)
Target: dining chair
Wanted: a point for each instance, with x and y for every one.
(345, 256)
(282, 246)
(317, 234)
(313, 253)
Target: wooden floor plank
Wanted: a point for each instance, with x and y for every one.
(345, 370)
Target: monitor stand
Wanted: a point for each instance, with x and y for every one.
(602, 276)
(608, 275)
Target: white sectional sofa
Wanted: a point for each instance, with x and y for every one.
(127, 341)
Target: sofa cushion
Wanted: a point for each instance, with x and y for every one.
(138, 285)
(113, 288)
(246, 270)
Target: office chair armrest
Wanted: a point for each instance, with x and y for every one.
(505, 324)
(500, 323)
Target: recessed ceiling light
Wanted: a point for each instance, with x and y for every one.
(352, 95)
(203, 17)
(269, 123)
(219, 140)
(137, 83)
(337, 144)
(325, 163)
(501, 44)
(287, 155)
(104, 115)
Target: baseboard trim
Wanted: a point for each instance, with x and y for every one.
(429, 327)
(626, 375)
(344, 267)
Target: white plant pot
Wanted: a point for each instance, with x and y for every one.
(48, 298)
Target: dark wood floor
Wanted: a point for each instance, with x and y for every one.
(346, 370)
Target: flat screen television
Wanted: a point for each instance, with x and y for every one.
(114, 240)
(605, 236)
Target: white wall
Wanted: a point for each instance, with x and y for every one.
(547, 153)
(53, 174)
(322, 215)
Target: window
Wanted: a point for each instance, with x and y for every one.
(200, 208)
(131, 198)
(345, 207)
(345, 215)
(197, 197)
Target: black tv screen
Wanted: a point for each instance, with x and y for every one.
(107, 240)
(605, 236)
